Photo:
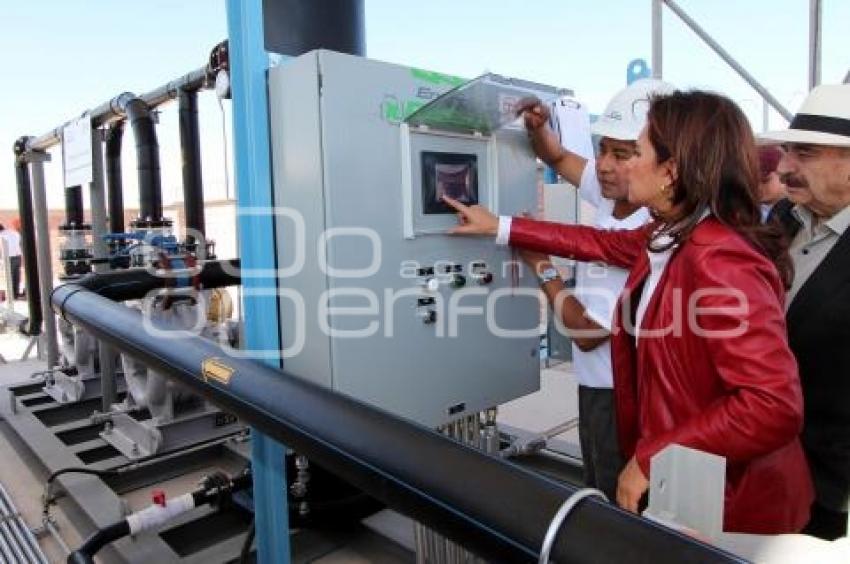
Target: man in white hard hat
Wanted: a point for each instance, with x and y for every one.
(815, 166)
(587, 314)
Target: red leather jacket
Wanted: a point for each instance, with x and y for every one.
(719, 378)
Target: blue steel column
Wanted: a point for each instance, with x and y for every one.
(249, 63)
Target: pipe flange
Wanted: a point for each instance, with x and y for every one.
(151, 223)
(75, 227)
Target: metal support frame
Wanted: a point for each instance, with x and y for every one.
(249, 63)
(107, 113)
(657, 38)
(97, 195)
(97, 200)
(714, 45)
(815, 41)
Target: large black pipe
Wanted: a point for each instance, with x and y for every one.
(114, 180)
(74, 206)
(147, 156)
(495, 508)
(293, 27)
(190, 147)
(32, 325)
(136, 283)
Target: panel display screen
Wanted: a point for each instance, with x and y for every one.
(450, 174)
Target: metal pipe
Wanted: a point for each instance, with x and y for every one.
(765, 116)
(108, 384)
(97, 202)
(54, 532)
(190, 147)
(815, 41)
(11, 541)
(17, 534)
(742, 72)
(657, 38)
(106, 356)
(44, 255)
(195, 80)
(31, 326)
(107, 112)
(114, 180)
(410, 468)
(6, 552)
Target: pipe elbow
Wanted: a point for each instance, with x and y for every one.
(137, 110)
(20, 145)
(119, 104)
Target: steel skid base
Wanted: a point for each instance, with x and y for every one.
(52, 436)
(55, 436)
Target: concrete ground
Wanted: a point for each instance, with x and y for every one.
(555, 403)
(19, 473)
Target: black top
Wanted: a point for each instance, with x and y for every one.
(819, 334)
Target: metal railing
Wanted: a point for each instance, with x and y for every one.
(815, 43)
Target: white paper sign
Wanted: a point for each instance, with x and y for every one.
(77, 152)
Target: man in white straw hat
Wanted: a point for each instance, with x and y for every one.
(587, 315)
(816, 168)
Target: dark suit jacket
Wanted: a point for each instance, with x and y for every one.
(819, 334)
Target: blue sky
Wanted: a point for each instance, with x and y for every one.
(59, 58)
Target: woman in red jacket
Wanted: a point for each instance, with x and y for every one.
(699, 347)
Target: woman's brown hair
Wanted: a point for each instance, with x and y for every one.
(710, 140)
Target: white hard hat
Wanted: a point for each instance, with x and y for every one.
(625, 114)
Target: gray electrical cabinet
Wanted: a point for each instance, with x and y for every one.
(376, 300)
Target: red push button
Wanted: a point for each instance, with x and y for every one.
(158, 497)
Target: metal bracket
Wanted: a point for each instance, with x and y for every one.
(132, 438)
(558, 519)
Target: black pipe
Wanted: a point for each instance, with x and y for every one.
(31, 326)
(114, 180)
(190, 147)
(214, 493)
(493, 507)
(74, 206)
(147, 157)
(100, 538)
(136, 283)
(293, 27)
